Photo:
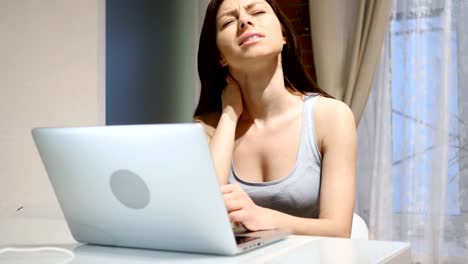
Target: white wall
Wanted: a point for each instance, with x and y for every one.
(52, 73)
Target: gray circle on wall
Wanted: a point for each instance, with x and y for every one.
(130, 189)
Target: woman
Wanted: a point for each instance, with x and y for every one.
(284, 151)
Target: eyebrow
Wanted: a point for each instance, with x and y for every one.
(233, 11)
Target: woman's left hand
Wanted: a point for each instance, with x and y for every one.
(242, 209)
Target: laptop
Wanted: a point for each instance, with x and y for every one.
(142, 186)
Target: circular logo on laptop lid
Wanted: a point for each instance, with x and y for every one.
(130, 189)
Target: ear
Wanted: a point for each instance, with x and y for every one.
(284, 35)
(223, 62)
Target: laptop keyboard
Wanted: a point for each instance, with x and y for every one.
(243, 239)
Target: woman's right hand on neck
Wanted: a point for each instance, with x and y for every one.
(232, 99)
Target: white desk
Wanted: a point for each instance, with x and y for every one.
(18, 232)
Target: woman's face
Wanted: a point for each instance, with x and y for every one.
(246, 30)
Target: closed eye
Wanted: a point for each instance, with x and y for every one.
(227, 23)
(258, 12)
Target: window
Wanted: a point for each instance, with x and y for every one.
(420, 46)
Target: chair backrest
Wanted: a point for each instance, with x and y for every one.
(359, 228)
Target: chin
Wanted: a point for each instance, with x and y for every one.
(262, 55)
(259, 61)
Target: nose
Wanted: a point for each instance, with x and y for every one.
(244, 21)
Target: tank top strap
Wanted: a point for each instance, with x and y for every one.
(308, 135)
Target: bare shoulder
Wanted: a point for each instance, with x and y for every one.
(332, 112)
(334, 122)
(209, 122)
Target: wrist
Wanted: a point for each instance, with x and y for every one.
(230, 113)
(272, 218)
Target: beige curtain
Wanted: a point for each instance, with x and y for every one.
(347, 38)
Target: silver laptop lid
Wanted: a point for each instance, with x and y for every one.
(146, 186)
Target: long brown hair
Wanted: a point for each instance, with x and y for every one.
(213, 75)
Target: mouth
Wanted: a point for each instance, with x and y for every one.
(248, 38)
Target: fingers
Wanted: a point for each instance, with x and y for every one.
(229, 79)
(229, 188)
(233, 205)
(237, 216)
(233, 197)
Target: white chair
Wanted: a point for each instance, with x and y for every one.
(359, 228)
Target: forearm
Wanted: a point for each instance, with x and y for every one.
(222, 145)
(309, 226)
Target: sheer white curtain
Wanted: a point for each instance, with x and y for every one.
(413, 136)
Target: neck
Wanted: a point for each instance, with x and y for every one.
(263, 91)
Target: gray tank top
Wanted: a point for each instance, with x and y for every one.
(298, 192)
